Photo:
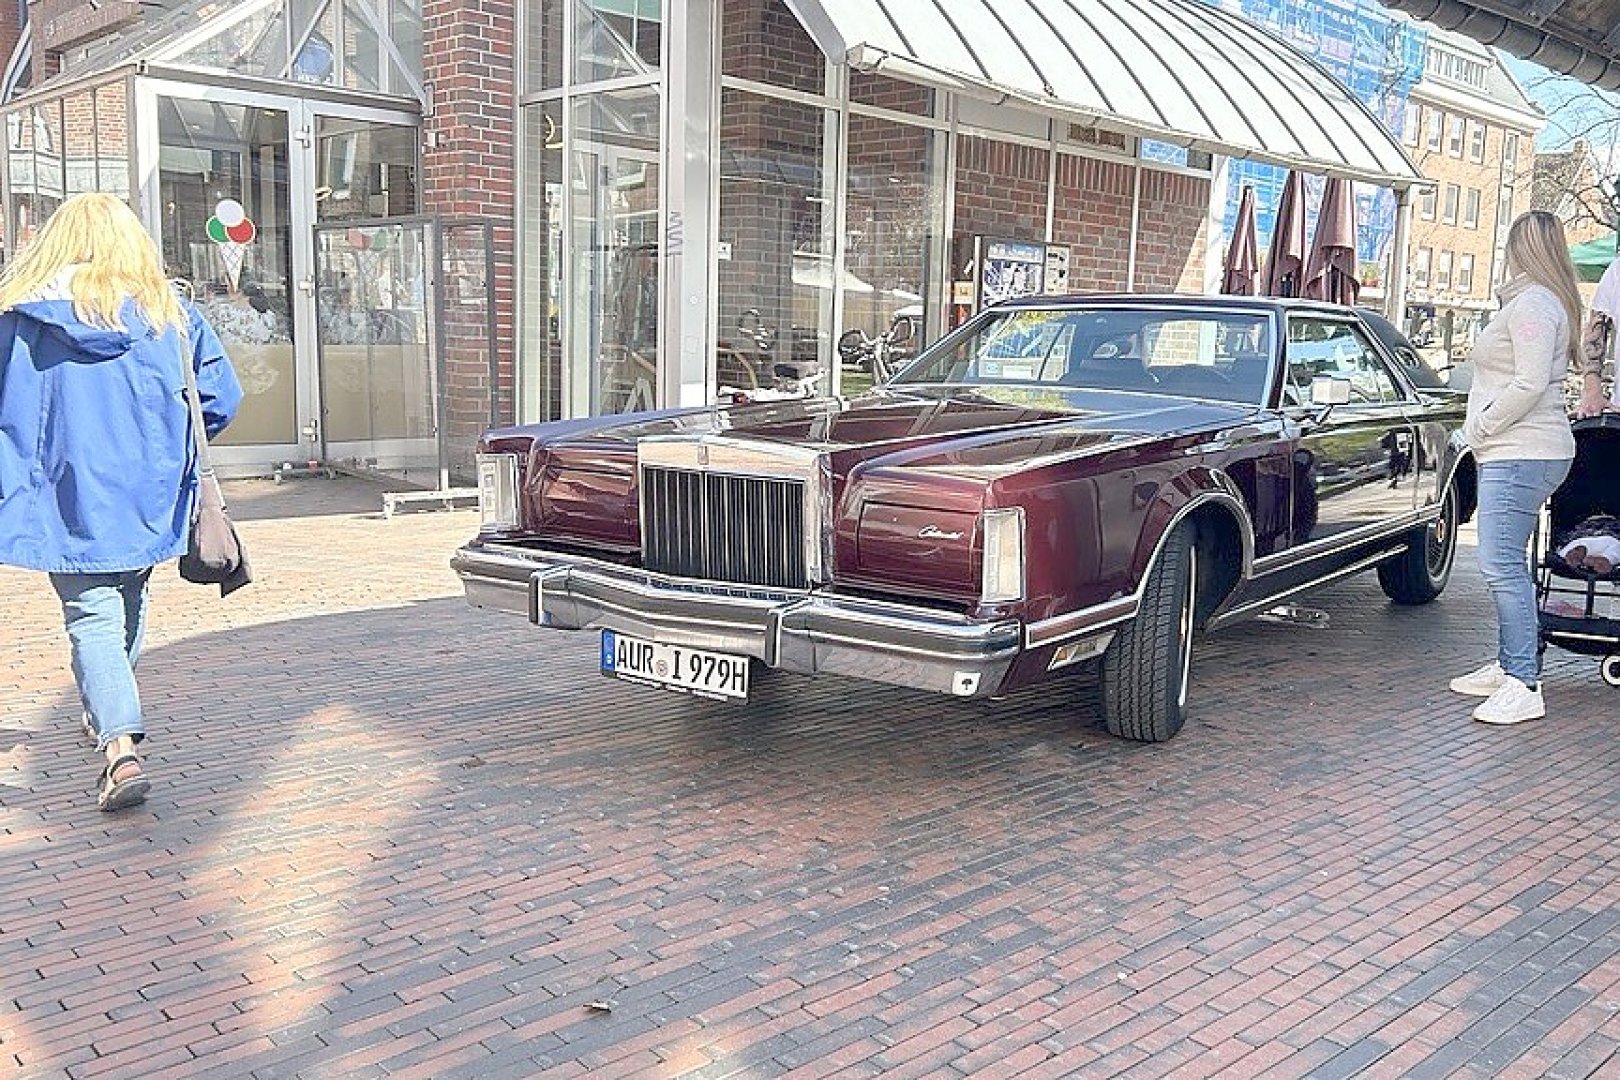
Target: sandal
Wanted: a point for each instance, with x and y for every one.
(118, 792)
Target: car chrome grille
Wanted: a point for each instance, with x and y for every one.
(719, 527)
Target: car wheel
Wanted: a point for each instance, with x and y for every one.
(1145, 672)
(1419, 574)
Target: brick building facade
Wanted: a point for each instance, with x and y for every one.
(1470, 129)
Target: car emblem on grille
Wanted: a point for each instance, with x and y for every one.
(934, 532)
(703, 455)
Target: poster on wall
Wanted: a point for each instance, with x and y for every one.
(1057, 269)
(1010, 270)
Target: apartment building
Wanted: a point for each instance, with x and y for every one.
(1469, 127)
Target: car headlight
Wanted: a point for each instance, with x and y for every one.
(497, 492)
(1002, 578)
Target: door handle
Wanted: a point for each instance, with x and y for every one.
(307, 285)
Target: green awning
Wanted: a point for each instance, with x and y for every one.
(1592, 257)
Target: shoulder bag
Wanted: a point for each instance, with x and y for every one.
(214, 553)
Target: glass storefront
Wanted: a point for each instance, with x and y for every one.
(614, 230)
(844, 198)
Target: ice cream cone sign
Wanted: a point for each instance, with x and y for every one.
(231, 231)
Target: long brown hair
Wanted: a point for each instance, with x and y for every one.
(1536, 249)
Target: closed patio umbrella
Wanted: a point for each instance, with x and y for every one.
(1243, 257)
(1285, 263)
(1331, 273)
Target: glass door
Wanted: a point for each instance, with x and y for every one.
(233, 187)
(218, 188)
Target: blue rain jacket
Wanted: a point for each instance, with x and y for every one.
(97, 468)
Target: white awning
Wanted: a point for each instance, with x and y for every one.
(1180, 71)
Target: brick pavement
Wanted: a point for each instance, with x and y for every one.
(392, 836)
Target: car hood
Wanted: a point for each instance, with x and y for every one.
(931, 428)
(967, 433)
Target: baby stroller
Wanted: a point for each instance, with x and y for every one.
(1577, 577)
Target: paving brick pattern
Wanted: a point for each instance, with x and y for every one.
(393, 836)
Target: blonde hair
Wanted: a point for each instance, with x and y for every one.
(114, 259)
(1536, 249)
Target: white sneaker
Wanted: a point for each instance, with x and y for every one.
(1482, 683)
(1513, 703)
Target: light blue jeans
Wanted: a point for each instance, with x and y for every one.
(106, 622)
(1511, 494)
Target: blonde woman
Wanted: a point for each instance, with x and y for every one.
(1520, 435)
(96, 476)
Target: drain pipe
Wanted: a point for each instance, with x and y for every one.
(1491, 22)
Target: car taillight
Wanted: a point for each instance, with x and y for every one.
(1002, 578)
(497, 492)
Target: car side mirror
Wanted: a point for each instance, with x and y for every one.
(1328, 392)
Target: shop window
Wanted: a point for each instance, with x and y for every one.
(542, 45)
(613, 287)
(615, 39)
(776, 278)
(762, 40)
(1471, 209)
(540, 283)
(893, 248)
(364, 170)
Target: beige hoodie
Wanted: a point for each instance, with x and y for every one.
(1516, 404)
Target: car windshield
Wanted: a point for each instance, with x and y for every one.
(1219, 355)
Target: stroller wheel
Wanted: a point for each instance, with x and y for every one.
(1610, 670)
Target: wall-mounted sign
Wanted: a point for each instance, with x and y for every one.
(60, 23)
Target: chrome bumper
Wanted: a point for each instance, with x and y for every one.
(803, 632)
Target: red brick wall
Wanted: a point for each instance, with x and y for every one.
(468, 172)
(1000, 189)
(1092, 215)
(1171, 227)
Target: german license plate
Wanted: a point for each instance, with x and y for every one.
(674, 667)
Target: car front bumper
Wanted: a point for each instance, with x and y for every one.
(805, 632)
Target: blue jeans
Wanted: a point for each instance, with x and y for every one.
(1511, 494)
(106, 621)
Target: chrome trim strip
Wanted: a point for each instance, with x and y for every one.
(1357, 567)
(1332, 545)
(1554, 635)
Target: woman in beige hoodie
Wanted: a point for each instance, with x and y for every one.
(1520, 435)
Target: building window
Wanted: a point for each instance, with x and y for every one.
(1412, 124)
(1465, 272)
(1510, 153)
(1442, 271)
(1437, 120)
(1471, 209)
(1448, 213)
(1454, 136)
(1426, 204)
(1476, 141)
(1420, 267)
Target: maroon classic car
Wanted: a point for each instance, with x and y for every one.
(1058, 481)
